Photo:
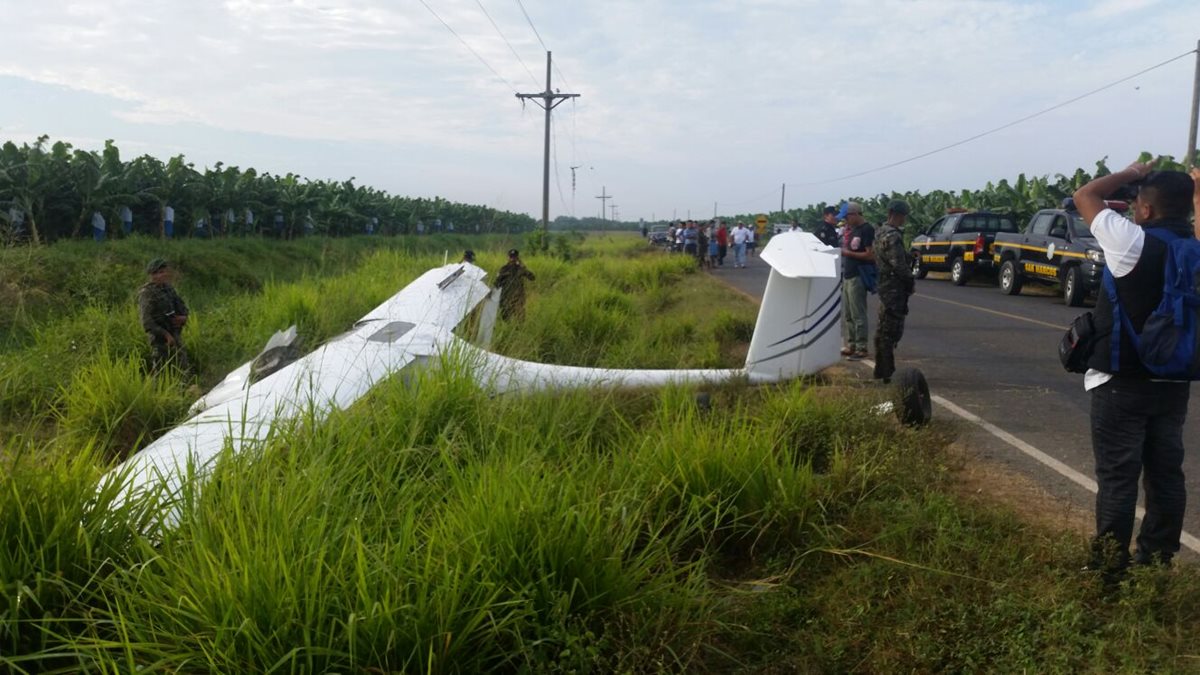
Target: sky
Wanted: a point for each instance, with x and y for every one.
(685, 106)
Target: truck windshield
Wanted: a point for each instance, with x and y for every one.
(1081, 228)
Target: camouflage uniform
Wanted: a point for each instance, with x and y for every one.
(511, 282)
(158, 304)
(895, 285)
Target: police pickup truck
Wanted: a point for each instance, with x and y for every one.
(959, 242)
(1056, 247)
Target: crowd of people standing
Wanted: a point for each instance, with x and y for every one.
(712, 241)
(873, 261)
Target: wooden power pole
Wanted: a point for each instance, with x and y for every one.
(603, 197)
(549, 100)
(1190, 157)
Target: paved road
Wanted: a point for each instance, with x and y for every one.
(995, 356)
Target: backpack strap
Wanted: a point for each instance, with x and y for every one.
(1118, 317)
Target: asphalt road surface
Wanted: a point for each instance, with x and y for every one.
(995, 357)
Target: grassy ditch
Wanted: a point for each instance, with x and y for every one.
(434, 528)
(239, 291)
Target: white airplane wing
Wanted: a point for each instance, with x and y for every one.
(398, 332)
(443, 296)
(795, 335)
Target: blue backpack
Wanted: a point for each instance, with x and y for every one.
(1169, 344)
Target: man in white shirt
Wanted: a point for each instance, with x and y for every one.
(739, 236)
(1136, 420)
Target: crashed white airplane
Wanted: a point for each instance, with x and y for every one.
(797, 333)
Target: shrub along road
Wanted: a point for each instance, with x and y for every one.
(995, 356)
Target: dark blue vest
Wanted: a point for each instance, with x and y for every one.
(1139, 292)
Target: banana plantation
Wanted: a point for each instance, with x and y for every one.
(51, 191)
(1021, 197)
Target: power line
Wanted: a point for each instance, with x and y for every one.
(502, 37)
(557, 174)
(1005, 126)
(753, 199)
(464, 43)
(535, 30)
(542, 43)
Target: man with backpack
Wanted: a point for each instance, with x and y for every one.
(1138, 401)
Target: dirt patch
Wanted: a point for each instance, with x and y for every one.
(987, 481)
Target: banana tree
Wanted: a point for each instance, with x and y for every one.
(177, 188)
(99, 181)
(30, 175)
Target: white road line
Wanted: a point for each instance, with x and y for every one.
(1064, 470)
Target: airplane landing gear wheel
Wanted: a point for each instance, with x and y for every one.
(914, 406)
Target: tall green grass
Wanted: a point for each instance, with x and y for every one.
(44, 284)
(434, 527)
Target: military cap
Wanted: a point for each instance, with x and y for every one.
(512, 253)
(898, 207)
(156, 265)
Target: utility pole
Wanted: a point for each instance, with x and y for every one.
(613, 207)
(549, 100)
(782, 192)
(1190, 157)
(714, 210)
(603, 197)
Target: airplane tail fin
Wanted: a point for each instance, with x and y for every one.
(798, 327)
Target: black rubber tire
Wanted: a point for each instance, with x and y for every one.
(918, 270)
(1074, 292)
(914, 405)
(1010, 278)
(958, 271)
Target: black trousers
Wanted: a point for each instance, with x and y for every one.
(1137, 432)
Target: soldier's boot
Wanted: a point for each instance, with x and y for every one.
(885, 360)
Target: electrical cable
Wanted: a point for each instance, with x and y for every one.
(502, 37)
(557, 177)
(464, 43)
(753, 199)
(535, 30)
(543, 44)
(999, 128)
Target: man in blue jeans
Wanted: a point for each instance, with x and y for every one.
(858, 241)
(1137, 420)
(739, 237)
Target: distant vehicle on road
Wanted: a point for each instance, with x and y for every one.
(1056, 247)
(659, 236)
(960, 243)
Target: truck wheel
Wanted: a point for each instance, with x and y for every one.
(918, 269)
(1010, 280)
(1073, 289)
(958, 272)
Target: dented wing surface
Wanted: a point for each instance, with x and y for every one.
(422, 301)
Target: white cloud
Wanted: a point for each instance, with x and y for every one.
(1107, 9)
(682, 102)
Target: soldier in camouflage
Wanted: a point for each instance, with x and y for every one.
(895, 285)
(511, 282)
(163, 315)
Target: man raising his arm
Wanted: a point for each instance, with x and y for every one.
(1137, 421)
